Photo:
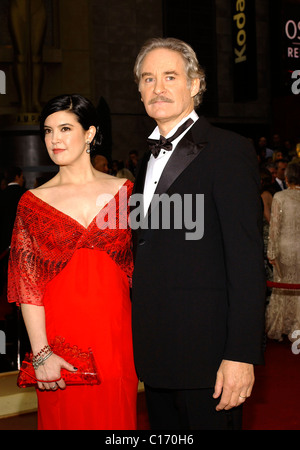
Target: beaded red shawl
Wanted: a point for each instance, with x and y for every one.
(44, 240)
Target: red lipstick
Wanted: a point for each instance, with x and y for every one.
(58, 150)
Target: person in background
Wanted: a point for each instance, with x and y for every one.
(276, 142)
(3, 182)
(8, 204)
(272, 169)
(100, 163)
(277, 154)
(267, 193)
(283, 311)
(9, 200)
(125, 173)
(263, 150)
(133, 161)
(279, 183)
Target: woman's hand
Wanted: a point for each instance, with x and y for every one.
(49, 374)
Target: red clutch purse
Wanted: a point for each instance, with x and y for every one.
(83, 360)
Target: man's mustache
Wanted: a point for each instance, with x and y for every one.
(160, 98)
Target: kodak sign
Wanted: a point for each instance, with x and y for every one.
(241, 35)
(244, 50)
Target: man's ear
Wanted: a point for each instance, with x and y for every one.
(195, 86)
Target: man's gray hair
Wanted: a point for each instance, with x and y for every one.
(192, 66)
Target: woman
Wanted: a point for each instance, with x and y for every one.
(277, 155)
(71, 276)
(283, 311)
(266, 193)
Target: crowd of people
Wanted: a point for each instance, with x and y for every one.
(117, 168)
(280, 193)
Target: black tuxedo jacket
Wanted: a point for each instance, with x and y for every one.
(196, 302)
(276, 186)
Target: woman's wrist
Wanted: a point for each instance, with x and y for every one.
(42, 356)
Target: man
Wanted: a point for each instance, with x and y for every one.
(279, 183)
(263, 150)
(100, 163)
(9, 203)
(198, 300)
(133, 161)
(272, 169)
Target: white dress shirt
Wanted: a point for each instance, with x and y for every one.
(280, 182)
(156, 165)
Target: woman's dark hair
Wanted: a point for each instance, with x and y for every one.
(292, 173)
(83, 109)
(12, 172)
(266, 180)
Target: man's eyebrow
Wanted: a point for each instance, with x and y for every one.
(168, 72)
(146, 74)
(171, 72)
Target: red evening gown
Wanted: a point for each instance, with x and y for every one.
(81, 276)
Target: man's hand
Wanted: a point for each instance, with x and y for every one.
(235, 382)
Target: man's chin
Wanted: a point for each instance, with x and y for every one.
(159, 114)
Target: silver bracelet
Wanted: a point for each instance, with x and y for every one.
(40, 362)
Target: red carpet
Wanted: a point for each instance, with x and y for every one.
(142, 415)
(274, 404)
(275, 400)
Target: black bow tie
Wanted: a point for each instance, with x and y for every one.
(156, 145)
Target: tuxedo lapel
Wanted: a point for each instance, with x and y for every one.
(184, 154)
(190, 146)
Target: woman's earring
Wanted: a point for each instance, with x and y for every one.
(88, 150)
